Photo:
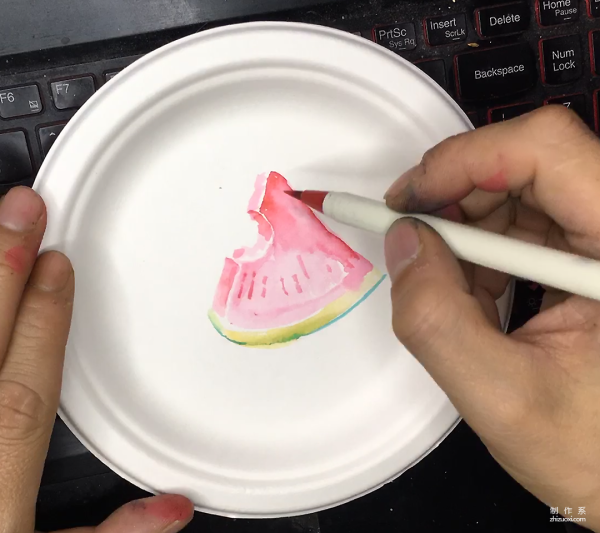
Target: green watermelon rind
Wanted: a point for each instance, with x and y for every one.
(330, 314)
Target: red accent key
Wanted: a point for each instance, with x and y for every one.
(495, 72)
(593, 8)
(561, 58)
(553, 12)
(505, 19)
(576, 102)
(500, 114)
(445, 30)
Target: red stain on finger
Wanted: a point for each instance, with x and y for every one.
(167, 508)
(17, 258)
(495, 183)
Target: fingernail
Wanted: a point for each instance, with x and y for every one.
(21, 209)
(174, 527)
(51, 273)
(398, 186)
(402, 246)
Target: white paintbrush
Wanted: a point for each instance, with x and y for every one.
(561, 270)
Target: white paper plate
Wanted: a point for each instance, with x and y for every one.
(147, 191)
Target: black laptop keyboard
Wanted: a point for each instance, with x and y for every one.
(497, 59)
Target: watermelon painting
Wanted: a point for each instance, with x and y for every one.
(297, 279)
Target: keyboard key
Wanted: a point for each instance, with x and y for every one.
(595, 52)
(474, 118)
(504, 19)
(48, 135)
(562, 61)
(396, 37)
(68, 94)
(552, 12)
(15, 161)
(576, 102)
(500, 114)
(593, 7)
(446, 29)
(436, 70)
(495, 72)
(20, 101)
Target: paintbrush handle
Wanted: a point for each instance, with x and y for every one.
(561, 270)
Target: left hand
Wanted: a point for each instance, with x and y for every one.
(36, 298)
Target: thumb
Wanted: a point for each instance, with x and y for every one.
(168, 513)
(443, 325)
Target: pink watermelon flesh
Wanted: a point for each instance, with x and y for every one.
(294, 270)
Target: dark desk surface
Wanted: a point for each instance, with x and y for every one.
(64, 22)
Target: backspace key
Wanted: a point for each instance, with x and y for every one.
(494, 73)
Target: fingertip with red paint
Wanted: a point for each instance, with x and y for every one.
(495, 183)
(170, 507)
(167, 513)
(17, 258)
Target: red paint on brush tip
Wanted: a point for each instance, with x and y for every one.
(313, 199)
(294, 194)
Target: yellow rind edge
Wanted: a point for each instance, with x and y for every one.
(275, 338)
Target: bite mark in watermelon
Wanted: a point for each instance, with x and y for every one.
(297, 279)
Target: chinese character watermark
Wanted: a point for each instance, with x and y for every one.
(567, 514)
